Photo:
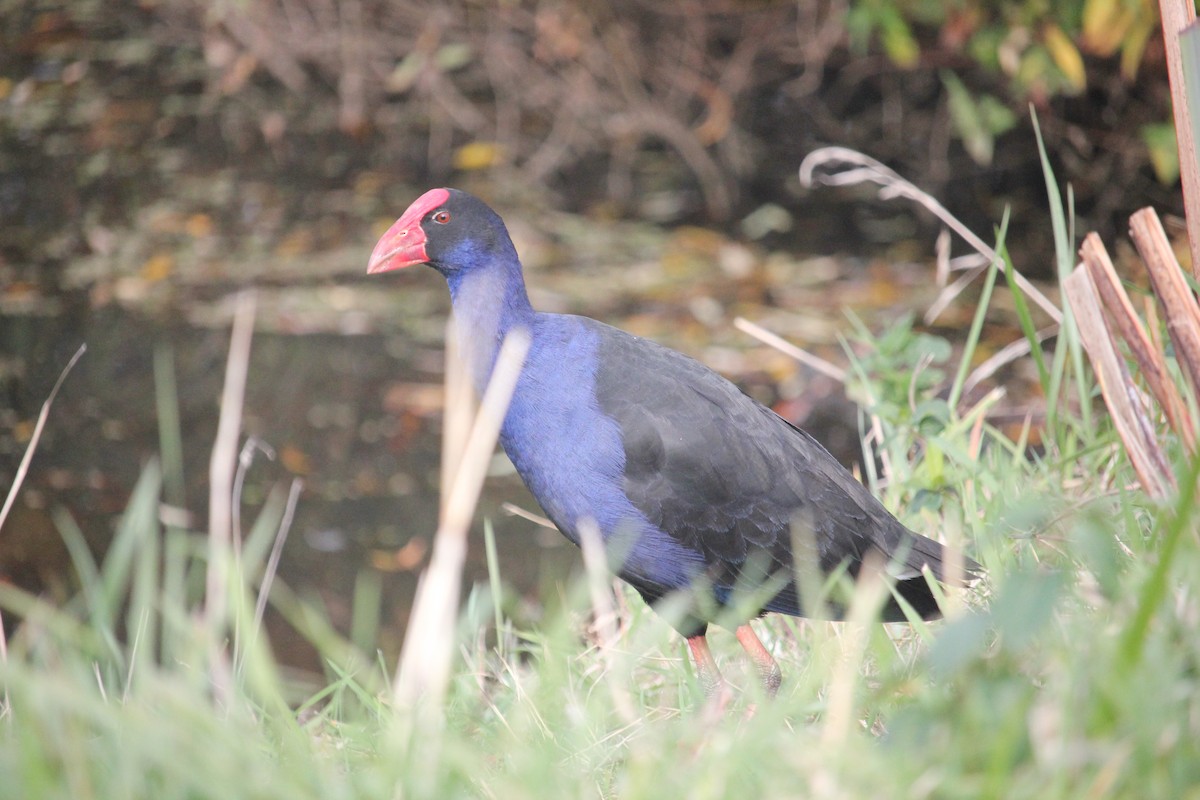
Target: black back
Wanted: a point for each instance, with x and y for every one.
(726, 476)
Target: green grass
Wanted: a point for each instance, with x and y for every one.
(1072, 671)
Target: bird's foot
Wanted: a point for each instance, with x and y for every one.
(768, 669)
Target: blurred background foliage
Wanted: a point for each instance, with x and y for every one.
(156, 134)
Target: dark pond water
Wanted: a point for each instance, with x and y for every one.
(357, 416)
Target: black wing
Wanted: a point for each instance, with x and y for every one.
(726, 476)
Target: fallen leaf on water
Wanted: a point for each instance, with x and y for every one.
(295, 460)
(297, 243)
(158, 267)
(406, 559)
(199, 226)
(416, 398)
(22, 431)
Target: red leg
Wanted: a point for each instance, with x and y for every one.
(768, 670)
(706, 668)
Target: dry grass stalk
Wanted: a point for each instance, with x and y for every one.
(222, 472)
(1125, 403)
(18, 479)
(1150, 359)
(784, 346)
(1176, 16)
(23, 468)
(605, 611)
(460, 410)
(424, 670)
(272, 568)
(1166, 276)
(870, 592)
(856, 168)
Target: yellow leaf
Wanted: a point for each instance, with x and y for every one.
(23, 431)
(157, 267)
(1134, 45)
(900, 46)
(1105, 23)
(199, 226)
(368, 184)
(297, 243)
(1066, 56)
(478, 155)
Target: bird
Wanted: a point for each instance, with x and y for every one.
(695, 488)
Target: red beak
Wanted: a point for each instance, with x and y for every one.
(404, 243)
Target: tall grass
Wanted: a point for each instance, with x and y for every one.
(1070, 672)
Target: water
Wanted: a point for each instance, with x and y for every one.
(357, 417)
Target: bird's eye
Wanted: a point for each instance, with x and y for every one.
(442, 217)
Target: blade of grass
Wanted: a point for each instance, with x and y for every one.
(170, 431)
(365, 610)
(82, 637)
(86, 568)
(493, 565)
(1155, 588)
(173, 596)
(136, 531)
(1065, 261)
(262, 535)
(144, 608)
(1027, 327)
(985, 299)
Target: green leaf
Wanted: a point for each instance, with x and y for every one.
(977, 122)
(1163, 150)
(897, 39)
(453, 56)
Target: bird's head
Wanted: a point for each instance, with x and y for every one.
(448, 229)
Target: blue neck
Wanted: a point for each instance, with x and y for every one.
(489, 301)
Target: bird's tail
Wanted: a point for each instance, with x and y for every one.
(951, 568)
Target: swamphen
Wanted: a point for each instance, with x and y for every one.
(690, 482)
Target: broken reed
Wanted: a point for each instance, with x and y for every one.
(1106, 316)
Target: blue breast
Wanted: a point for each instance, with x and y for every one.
(570, 455)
